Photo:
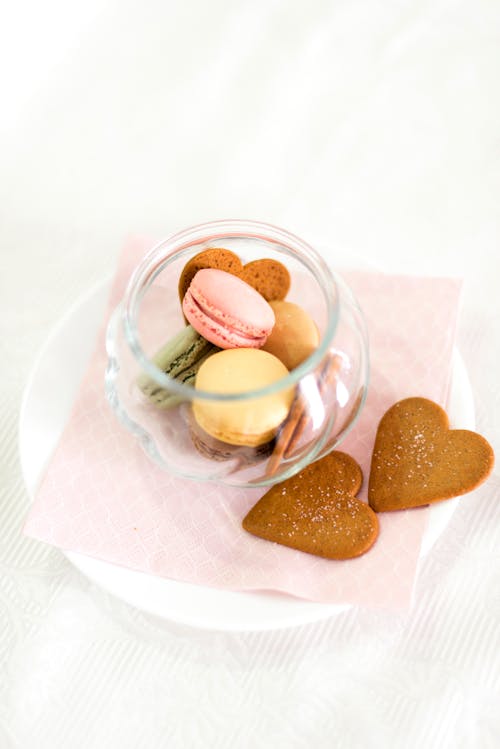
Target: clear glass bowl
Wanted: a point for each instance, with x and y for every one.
(327, 390)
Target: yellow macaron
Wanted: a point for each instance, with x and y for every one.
(294, 336)
(249, 422)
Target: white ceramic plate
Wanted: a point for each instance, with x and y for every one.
(44, 412)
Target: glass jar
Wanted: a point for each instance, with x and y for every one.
(323, 395)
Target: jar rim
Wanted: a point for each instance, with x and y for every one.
(180, 243)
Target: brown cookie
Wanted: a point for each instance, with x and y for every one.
(316, 511)
(213, 257)
(269, 277)
(299, 415)
(418, 459)
(214, 449)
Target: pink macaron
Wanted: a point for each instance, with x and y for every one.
(227, 311)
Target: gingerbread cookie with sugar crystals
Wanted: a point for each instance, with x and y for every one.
(316, 511)
(418, 460)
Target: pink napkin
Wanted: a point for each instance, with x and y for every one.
(102, 496)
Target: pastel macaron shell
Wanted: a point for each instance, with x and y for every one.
(227, 311)
(249, 422)
(294, 336)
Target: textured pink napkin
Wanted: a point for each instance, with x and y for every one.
(102, 496)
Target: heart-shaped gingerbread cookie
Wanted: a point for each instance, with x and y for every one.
(269, 277)
(417, 459)
(316, 511)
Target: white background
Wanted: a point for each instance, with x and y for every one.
(374, 125)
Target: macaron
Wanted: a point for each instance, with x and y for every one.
(249, 422)
(226, 310)
(180, 358)
(294, 336)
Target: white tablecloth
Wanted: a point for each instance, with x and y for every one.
(371, 125)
